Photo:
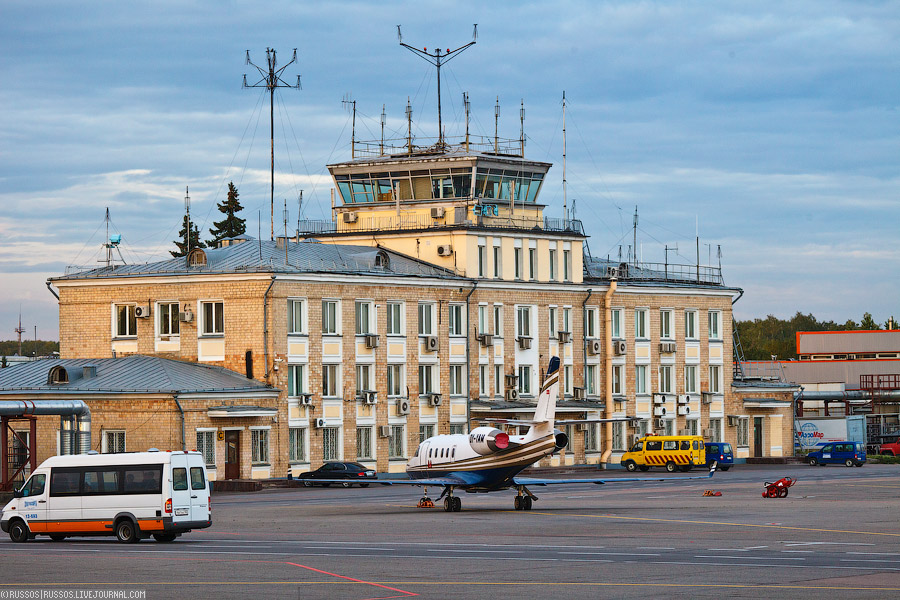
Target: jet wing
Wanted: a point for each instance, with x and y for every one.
(454, 481)
(599, 480)
(615, 420)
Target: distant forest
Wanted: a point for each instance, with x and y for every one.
(763, 338)
(29, 348)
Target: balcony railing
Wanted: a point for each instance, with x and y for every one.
(425, 146)
(656, 272)
(453, 219)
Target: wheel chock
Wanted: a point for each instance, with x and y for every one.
(711, 493)
(425, 503)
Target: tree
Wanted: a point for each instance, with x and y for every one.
(231, 225)
(891, 323)
(868, 323)
(3, 363)
(183, 245)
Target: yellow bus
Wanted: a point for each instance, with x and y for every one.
(674, 452)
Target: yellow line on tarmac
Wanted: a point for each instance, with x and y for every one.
(614, 517)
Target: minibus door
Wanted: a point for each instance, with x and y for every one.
(181, 489)
(34, 502)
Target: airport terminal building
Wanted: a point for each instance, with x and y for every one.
(434, 297)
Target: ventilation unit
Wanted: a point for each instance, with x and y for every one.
(578, 393)
(306, 399)
(659, 411)
(437, 212)
(320, 423)
(524, 343)
(733, 420)
(583, 426)
(444, 250)
(186, 316)
(659, 423)
(564, 337)
(667, 347)
(142, 312)
(706, 397)
(384, 431)
(659, 399)
(684, 410)
(486, 339)
(512, 394)
(434, 399)
(684, 432)
(684, 399)
(620, 348)
(403, 406)
(350, 217)
(371, 340)
(595, 347)
(431, 343)
(370, 397)
(708, 433)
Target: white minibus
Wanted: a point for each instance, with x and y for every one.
(131, 495)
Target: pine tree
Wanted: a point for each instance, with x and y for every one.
(231, 225)
(868, 323)
(182, 235)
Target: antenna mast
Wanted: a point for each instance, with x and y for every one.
(187, 231)
(522, 127)
(437, 59)
(20, 330)
(466, 106)
(271, 80)
(565, 202)
(383, 119)
(351, 106)
(408, 126)
(635, 233)
(497, 126)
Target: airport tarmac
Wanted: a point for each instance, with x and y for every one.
(835, 536)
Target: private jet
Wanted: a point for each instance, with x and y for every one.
(489, 460)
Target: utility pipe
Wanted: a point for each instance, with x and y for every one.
(76, 408)
(584, 334)
(607, 363)
(468, 366)
(181, 410)
(266, 326)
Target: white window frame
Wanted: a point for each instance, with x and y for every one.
(294, 390)
(641, 324)
(114, 433)
(397, 442)
(297, 311)
(715, 379)
(364, 317)
(640, 380)
(690, 325)
(552, 262)
(617, 323)
(499, 382)
(517, 262)
(364, 374)
(334, 390)
(618, 436)
(567, 265)
(590, 322)
(130, 320)
(331, 443)
(426, 379)
(206, 445)
(690, 379)
(498, 320)
(714, 319)
(566, 319)
(483, 380)
(457, 380)
(665, 324)
(618, 380)
(482, 259)
(365, 449)
(297, 448)
(742, 434)
(524, 380)
(394, 376)
(523, 320)
(457, 319)
(568, 380)
(498, 261)
(331, 316)
(218, 306)
(591, 380)
(396, 322)
(166, 317)
(426, 311)
(532, 264)
(260, 446)
(552, 321)
(665, 379)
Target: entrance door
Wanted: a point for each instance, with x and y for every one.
(757, 436)
(232, 454)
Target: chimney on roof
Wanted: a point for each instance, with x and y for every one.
(89, 371)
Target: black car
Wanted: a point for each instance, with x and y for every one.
(348, 472)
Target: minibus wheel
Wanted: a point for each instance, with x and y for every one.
(164, 537)
(57, 537)
(126, 531)
(18, 531)
(671, 467)
(630, 466)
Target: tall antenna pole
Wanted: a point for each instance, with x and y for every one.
(383, 118)
(437, 59)
(271, 80)
(350, 105)
(299, 209)
(20, 330)
(565, 200)
(187, 231)
(497, 126)
(466, 106)
(522, 127)
(408, 126)
(635, 233)
(285, 215)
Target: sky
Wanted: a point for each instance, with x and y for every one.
(768, 128)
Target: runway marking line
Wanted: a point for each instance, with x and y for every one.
(403, 593)
(763, 526)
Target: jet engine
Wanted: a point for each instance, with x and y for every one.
(562, 440)
(485, 440)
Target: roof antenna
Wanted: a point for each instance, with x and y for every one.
(437, 59)
(350, 105)
(565, 203)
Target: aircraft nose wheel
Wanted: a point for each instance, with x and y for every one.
(523, 502)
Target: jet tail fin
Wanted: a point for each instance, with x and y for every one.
(545, 412)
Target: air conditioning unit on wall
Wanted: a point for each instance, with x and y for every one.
(512, 394)
(403, 406)
(524, 343)
(620, 348)
(371, 340)
(320, 423)
(444, 250)
(486, 339)
(431, 343)
(142, 312)
(595, 347)
(350, 217)
(434, 399)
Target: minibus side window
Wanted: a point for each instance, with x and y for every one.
(198, 482)
(179, 479)
(143, 479)
(636, 447)
(686, 444)
(35, 486)
(670, 445)
(109, 481)
(91, 484)
(696, 445)
(64, 483)
(653, 446)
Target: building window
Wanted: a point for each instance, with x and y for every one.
(394, 380)
(618, 436)
(365, 314)
(363, 379)
(206, 445)
(126, 322)
(425, 432)
(715, 331)
(525, 380)
(482, 380)
(498, 320)
(168, 318)
(213, 317)
(641, 330)
(665, 324)
(692, 425)
(498, 380)
(715, 379)
(523, 321)
(498, 262)
(640, 379)
(482, 260)
(296, 380)
(330, 320)
(568, 380)
(590, 380)
(552, 322)
(364, 443)
(590, 320)
(567, 265)
(665, 379)
(426, 379)
(690, 324)
(618, 380)
(457, 323)
(330, 381)
(457, 381)
(395, 318)
(591, 438)
(330, 446)
(552, 264)
(426, 319)
(297, 444)
(395, 444)
(259, 446)
(532, 263)
(457, 428)
(669, 428)
(690, 379)
(297, 316)
(715, 426)
(743, 431)
(517, 255)
(113, 441)
(567, 320)
(482, 318)
(616, 318)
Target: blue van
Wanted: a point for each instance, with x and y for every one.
(721, 453)
(847, 453)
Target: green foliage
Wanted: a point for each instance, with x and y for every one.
(763, 338)
(29, 348)
(231, 225)
(182, 235)
(891, 324)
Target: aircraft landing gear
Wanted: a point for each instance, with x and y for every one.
(425, 501)
(524, 499)
(451, 502)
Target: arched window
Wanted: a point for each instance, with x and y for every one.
(57, 375)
